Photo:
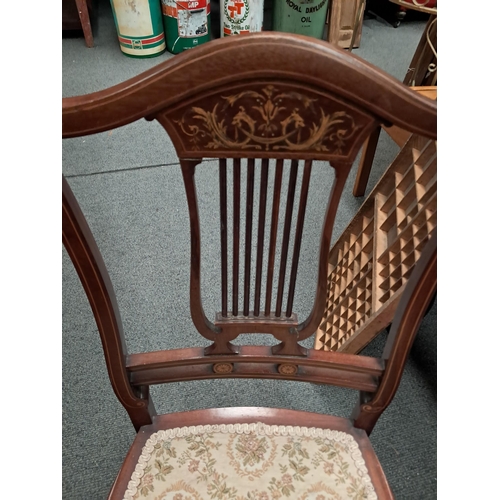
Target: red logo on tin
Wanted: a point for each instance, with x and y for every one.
(235, 8)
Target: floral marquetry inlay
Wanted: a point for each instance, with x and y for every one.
(269, 119)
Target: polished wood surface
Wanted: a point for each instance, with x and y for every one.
(354, 372)
(269, 99)
(398, 134)
(89, 265)
(314, 63)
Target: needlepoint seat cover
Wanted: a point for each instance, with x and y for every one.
(250, 462)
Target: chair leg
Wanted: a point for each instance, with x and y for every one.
(334, 22)
(83, 12)
(365, 164)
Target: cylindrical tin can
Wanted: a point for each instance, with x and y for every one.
(239, 17)
(139, 27)
(187, 23)
(303, 17)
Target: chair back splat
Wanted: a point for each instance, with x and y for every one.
(269, 107)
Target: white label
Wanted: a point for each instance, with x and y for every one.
(192, 23)
(242, 16)
(133, 17)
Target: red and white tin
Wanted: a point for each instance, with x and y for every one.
(239, 17)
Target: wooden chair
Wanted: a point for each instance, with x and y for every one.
(268, 98)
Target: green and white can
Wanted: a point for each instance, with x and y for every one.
(187, 23)
(139, 26)
(302, 17)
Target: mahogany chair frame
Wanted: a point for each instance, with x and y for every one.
(309, 82)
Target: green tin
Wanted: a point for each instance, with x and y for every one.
(139, 26)
(186, 23)
(303, 17)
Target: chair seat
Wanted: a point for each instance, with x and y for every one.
(250, 461)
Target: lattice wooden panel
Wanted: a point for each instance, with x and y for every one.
(370, 263)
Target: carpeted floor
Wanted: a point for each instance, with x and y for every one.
(130, 189)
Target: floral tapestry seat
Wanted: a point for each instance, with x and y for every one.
(251, 461)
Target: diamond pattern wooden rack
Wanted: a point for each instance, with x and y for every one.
(371, 262)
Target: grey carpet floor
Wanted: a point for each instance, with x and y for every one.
(130, 189)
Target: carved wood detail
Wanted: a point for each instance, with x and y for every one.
(270, 118)
(252, 119)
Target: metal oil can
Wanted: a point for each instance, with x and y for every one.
(187, 23)
(302, 17)
(239, 17)
(139, 27)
